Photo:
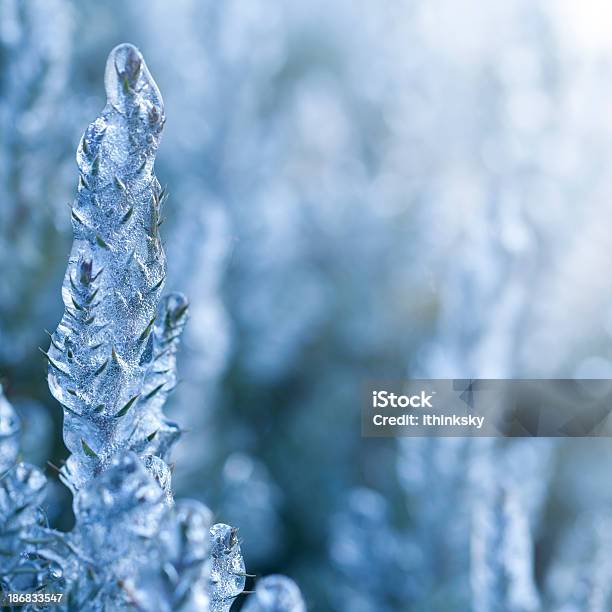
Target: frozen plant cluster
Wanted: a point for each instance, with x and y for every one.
(111, 365)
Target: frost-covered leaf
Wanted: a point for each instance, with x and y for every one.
(227, 572)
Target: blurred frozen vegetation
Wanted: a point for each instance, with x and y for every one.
(357, 190)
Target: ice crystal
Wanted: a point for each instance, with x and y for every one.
(276, 594)
(180, 580)
(135, 551)
(103, 349)
(227, 572)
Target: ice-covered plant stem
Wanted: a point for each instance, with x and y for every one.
(109, 360)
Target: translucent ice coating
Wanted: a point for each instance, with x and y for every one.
(118, 516)
(107, 343)
(227, 572)
(276, 594)
(180, 580)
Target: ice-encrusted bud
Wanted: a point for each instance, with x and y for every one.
(189, 535)
(161, 474)
(118, 516)
(276, 593)
(179, 580)
(101, 352)
(227, 572)
(9, 434)
(124, 500)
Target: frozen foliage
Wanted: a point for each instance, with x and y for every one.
(502, 571)
(275, 594)
(25, 563)
(136, 551)
(112, 364)
(499, 498)
(103, 358)
(130, 549)
(227, 572)
(118, 516)
(34, 55)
